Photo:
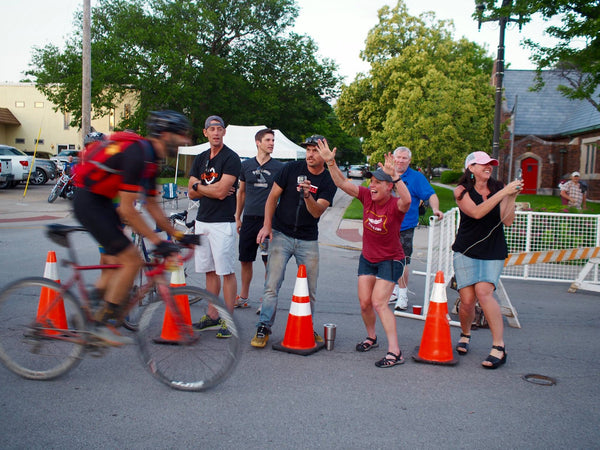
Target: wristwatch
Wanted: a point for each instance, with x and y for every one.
(195, 186)
(395, 181)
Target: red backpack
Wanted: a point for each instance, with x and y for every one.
(92, 174)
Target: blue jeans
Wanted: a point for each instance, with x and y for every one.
(281, 249)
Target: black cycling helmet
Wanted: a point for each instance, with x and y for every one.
(167, 120)
(312, 140)
(93, 137)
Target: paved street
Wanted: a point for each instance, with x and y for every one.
(331, 399)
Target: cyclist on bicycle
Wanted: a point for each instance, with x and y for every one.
(125, 165)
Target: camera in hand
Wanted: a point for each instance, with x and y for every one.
(301, 179)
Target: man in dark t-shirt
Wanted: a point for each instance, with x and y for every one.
(302, 192)
(256, 181)
(213, 180)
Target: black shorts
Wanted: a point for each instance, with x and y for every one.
(98, 214)
(251, 225)
(406, 239)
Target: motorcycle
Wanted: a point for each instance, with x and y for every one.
(63, 188)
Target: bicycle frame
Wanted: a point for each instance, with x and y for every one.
(154, 272)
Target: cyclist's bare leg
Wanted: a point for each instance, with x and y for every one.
(122, 279)
(106, 274)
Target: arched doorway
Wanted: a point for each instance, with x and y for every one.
(529, 167)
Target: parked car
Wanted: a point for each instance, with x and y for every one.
(45, 168)
(5, 170)
(437, 171)
(20, 164)
(63, 157)
(356, 171)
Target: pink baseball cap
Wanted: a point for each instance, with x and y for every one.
(479, 158)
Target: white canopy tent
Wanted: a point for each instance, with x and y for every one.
(241, 140)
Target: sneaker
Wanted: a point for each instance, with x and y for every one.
(401, 303)
(261, 337)
(207, 323)
(318, 338)
(394, 295)
(223, 332)
(241, 302)
(111, 336)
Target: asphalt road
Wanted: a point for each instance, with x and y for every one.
(331, 399)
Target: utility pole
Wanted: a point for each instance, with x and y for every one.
(502, 20)
(86, 79)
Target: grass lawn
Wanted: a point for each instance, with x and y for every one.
(545, 203)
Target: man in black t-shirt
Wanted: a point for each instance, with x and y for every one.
(213, 180)
(301, 193)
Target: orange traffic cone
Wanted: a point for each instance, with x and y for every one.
(171, 333)
(51, 310)
(299, 335)
(436, 343)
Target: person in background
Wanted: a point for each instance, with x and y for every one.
(256, 181)
(382, 258)
(420, 190)
(301, 193)
(485, 205)
(213, 180)
(573, 192)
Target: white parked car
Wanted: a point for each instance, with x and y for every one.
(20, 164)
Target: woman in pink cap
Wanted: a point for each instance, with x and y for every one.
(486, 205)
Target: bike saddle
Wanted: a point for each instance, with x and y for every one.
(57, 233)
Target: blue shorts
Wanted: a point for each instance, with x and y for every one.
(386, 270)
(469, 271)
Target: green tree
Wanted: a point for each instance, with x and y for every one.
(424, 91)
(576, 55)
(226, 57)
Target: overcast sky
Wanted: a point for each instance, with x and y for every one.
(339, 27)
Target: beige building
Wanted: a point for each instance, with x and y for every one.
(25, 114)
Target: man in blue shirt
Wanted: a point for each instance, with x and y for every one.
(420, 190)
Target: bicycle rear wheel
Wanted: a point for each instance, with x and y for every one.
(199, 364)
(35, 328)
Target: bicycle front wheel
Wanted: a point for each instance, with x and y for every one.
(183, 358)
(38, 323)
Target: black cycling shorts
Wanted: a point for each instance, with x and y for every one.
(99, 215)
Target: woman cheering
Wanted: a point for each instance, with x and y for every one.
(486, 205)
(382, 259)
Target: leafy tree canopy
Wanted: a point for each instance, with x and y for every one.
(228, 57)
(577, 54)
(424, 91)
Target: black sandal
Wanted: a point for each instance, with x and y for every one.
(367, 344)
(496, 362)
(462, 348)
(388, 362)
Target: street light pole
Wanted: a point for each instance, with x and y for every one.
(503, 19)
(86, 70)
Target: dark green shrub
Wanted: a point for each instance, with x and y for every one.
(450, 176)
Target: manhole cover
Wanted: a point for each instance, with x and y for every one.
(542, 380)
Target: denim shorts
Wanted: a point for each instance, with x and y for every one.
(386, 270)
(469, 271)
